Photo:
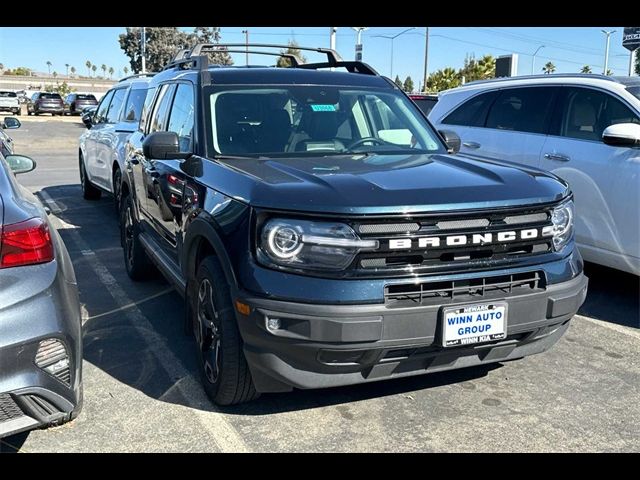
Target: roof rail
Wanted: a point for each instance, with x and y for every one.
(351, 66)
(332, 56)
(137, 75)
(599, 76)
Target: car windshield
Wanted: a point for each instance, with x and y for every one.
(54, 96)
(635, 91)
(7, 94)
(316, 120)
(85, 97)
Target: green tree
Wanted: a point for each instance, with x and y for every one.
(55, 74)
(125, 70)
(1, 66)
(478, 69)
(443, 80)
(19, 71)
(111, 70)
(292, 49)
(586, 69)
(408, 85)
(162, 43)
(609, 72)
(104, 70)
(62, 88)
(88, 65)
(73, 70)
(549, 68)
(638, 62)
(49, 66)
(93, 69)
(67, 66)
(398, 82)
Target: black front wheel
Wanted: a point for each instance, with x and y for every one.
(225, 374)
(89, 192)
(136, 261)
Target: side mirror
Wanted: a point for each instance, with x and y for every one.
(451, 139)
(20, 163)
(11, 123)
(163, 146)
(622, 135)
(87, 119)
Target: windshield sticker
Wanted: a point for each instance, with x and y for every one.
(323, 108)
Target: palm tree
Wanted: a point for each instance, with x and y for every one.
(88, 65)
(111, 70)
(67, 65)
(125, 70)
(609, 72)
(73, 70)
(104, 70)
(549, 68)
(93, 69)
(586, 69)
(49, 66)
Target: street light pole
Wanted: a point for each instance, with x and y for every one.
(392, 38)
(246, 43)
(533, 58)
(426, 59)
(632, 60)
(606, 51)
(143, 40)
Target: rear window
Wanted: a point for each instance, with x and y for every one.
(425, 104)
(8, 94)
(85, 97)
(635, 91)
(54, 96)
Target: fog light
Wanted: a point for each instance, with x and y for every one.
(52, 357)
(273, 324)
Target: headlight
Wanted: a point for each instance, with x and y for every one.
(310, 245)
(562, 219)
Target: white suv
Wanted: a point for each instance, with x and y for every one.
(584, 128)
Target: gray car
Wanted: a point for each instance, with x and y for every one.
(40, 323)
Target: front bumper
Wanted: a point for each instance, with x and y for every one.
(331, 345)
(40, 302)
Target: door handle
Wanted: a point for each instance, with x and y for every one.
(558, 157)
(473, 145)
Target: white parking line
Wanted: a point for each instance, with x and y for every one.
(223, 434)
(612, 326)
(132, 304)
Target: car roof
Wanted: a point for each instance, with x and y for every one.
(260, 75)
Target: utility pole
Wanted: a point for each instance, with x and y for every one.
(359, 31)
(143, 40)
(426, 60)
(246, 43)
(332, 38)
(606, 51)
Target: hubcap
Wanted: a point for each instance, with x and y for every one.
(128, 234)
(208, 332)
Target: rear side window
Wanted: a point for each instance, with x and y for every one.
(135, 102)
(472, 112)
(161, 109)
(146, 108)
(8, 94)
(116, 104)
(101, 113)
(181, 118)
(521, 110)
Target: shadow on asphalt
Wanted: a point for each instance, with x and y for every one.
(119, 345)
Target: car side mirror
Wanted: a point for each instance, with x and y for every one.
(88, 120)
(11, 123)
(622, 135)
(451, 139)
(20, 163)
(163, 146)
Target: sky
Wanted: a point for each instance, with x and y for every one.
(568, 48)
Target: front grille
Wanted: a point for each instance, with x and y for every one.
(465, 240)
(8, 408)
(486, 287)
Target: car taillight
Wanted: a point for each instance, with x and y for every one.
(25, 243)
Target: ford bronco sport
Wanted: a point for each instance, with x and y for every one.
(323, 233)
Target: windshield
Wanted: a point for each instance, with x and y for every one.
(316, 120)
(635, 91)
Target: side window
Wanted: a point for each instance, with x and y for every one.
(472, 112)
(146, 108)
(133, 108)
(181, 117)
(101, 112)
(521, 110)
(116, 105)
(587, 112)
(158, 121)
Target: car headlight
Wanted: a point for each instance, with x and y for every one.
(562, 228)
(303, 244)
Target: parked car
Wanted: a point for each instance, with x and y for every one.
(9, 102)
(425, 101)
(323, 235)
(45, 102)
(101, 152)
(40, 325)
(75, 103)
(6, 142)
(584, 128)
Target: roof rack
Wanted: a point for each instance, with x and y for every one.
(137, 75)
(598, 76)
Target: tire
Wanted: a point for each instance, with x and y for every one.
(17, 113)
(136, 261)
(29, 113)
(117, 190)
(226, 377)
(89, 192)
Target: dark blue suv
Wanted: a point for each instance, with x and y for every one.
(323, 233)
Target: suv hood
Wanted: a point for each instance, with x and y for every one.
(379, 184)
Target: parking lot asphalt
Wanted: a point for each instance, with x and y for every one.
(142, 390)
